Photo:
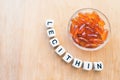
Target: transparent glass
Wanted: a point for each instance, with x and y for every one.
(106, 26)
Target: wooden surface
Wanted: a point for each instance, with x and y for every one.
(25, 53)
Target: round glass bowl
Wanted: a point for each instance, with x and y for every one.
(89, 29)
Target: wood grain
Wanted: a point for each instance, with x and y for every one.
(25, 53)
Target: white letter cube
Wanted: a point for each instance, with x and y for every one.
(51, 33)
(49, 23)
(87, 65)
(67, 57)
(54, 42)
(60, 50)
(77, 63)
(98, 66)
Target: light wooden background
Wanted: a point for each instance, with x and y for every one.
(25, 53)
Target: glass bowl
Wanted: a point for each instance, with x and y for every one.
(89, 29)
